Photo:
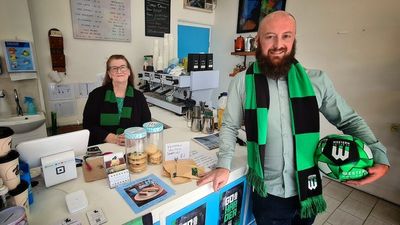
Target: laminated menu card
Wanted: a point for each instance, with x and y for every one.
(145, 192)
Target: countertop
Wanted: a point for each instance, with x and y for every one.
(49, 205)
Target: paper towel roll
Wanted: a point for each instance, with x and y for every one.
(156, 52)
(160, 62)
(165, 51)
(171, 45)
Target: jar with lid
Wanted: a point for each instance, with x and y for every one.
(135, 142)
(155, 142)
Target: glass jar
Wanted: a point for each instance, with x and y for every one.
(155, 142)
(135, 142)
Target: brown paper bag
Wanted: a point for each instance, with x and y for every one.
(93, 169)
(189, 171)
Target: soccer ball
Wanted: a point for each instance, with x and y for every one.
(343, 157)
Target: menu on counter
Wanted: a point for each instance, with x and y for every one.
(142, 193)
(157, 17)
(101, 20)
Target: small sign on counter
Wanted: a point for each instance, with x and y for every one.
(177, 150)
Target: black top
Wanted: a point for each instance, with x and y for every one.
(96, 105)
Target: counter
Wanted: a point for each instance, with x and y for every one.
(49, 205)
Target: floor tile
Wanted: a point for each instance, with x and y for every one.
(336, 190)
(340, 217)
(386, 212)
(331, 205)
(322, 218)
(374, 221)
(325, 181)
(356, 208)
(363, 197)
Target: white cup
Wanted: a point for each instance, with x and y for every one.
(5, 140)
(9, 169)
(19, 196)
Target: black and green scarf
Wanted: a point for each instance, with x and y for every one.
(305, 126)
(110, 117)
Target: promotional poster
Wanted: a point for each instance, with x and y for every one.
(195, 217)
(230, 205)
(19, 56)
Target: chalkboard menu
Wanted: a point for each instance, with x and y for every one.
(157, 17)
(101, 20)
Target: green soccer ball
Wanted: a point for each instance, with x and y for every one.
(343, 157)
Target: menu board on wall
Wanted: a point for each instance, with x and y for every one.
(157, 17)
(101, 20)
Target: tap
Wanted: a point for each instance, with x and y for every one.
(19, 109)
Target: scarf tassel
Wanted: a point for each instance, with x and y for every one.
(257, 182)
(312, 206)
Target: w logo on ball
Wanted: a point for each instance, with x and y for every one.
(312, 182)
(340, 152)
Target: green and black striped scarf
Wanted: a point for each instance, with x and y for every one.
(110, 117)
(305, 126)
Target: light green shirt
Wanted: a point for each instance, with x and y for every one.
(279, 166)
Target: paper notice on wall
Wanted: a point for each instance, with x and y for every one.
(83, 89)
(99, 79)
(61, 91)
(63, 108)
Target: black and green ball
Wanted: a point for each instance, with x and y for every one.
(343, 157)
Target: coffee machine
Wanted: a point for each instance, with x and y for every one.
(178, 93)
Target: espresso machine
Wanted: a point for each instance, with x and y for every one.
(178, 93)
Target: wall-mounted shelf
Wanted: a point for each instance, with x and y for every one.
(244, 54)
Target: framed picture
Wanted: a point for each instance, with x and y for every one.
(201, 5)
(252, 11)
(19, 56)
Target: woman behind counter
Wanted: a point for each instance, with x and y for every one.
(116, 105)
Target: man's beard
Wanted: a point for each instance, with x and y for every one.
(275, 70)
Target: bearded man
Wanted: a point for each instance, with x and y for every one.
(280, 102)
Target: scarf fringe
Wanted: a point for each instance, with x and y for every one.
(312, 206)
(257, 182)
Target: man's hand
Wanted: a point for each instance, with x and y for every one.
(375, 172)
(219, 177)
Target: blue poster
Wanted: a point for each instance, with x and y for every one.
(19, 56)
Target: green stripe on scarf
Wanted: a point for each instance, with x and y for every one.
(113, 118)
(108, 119)
(305, 127)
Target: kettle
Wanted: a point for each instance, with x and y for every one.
(248, 44)
(239, 44)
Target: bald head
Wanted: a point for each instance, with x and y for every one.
(276, 41)
(281, 17)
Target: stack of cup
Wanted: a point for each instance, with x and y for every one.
(9, 170)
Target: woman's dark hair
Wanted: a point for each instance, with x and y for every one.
(107, 79)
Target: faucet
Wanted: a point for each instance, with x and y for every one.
(19, 109)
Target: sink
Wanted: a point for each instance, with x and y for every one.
(23, 124)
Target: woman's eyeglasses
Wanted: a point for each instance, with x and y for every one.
(121, 69)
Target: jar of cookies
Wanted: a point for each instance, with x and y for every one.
(135, 142)
(155, 142)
